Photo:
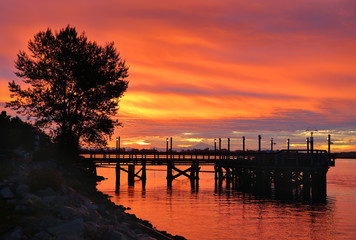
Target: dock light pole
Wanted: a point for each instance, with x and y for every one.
(228, 144)
(117, 146)
(329, 142)
(259, 143)
(171, 144)
(272, 143)
(288, 143)
(171, 148)
(311, 142)
(167, 145)
(220, 144)
(307, 145)
(243, 143)
(215, 148)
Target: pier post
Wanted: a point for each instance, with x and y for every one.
(167, 148)
(307, 144)
(171, 149)
(243, 143)
(306, 185)
(131, 174)
(216, 173)
(117, 147)
(329, 142)
(318, 182)
(143, 175)
(245, 179)
(220, 174)
(169, 174)
(259, 143)
(323, 182)
(261, 182)
(219, 148)
(215, 148)
(192, 172)
(315, 185)
(228, 177)
(117, 174)
(283, 184)
(288, 143)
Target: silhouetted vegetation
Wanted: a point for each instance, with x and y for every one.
(19, 136)
(74, 87)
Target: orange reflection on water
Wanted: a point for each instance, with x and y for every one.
(207, 213)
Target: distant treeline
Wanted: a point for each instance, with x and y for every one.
(346, 155)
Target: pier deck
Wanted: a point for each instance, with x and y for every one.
(286, 170)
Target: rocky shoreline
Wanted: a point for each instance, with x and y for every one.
(45, 200)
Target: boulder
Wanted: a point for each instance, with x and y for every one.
(24, 209)
(146, 237)
(73, 228)
(115, 235)
(6, 193)
(43, 235)
(22, 190)
(67, 212)
(15, 234)
(46, 192)
(52, 201)
(89, 205)
(31, 199)
(69, 237)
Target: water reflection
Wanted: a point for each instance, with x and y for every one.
(221, 213)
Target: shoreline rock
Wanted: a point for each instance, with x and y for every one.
(44, 200)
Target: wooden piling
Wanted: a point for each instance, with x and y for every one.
(288, 169)
(169, 174)
(306, 185)
(117, 180)
(228, 177)
(131, 175)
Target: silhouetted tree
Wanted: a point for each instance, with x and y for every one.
(74, 87)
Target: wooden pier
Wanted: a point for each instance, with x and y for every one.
(288, 172)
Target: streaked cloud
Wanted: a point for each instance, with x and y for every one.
(213, 68)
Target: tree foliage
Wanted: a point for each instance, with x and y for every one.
(73, 86)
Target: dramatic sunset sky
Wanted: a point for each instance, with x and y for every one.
(201, 70)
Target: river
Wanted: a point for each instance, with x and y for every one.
(207, 213)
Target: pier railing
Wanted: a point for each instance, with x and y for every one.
(285, 158)
(256, 171)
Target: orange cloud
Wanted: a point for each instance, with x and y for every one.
(266, 63)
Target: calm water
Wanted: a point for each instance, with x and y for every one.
(228, 214)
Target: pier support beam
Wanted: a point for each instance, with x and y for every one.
(228, 177)
(117, 174)
(283, 184)
(169, 174)
(318, 184)
(131, 175)
(219, 176)
(262, 182)
(306, 185)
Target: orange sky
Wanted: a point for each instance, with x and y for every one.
(203, 70)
